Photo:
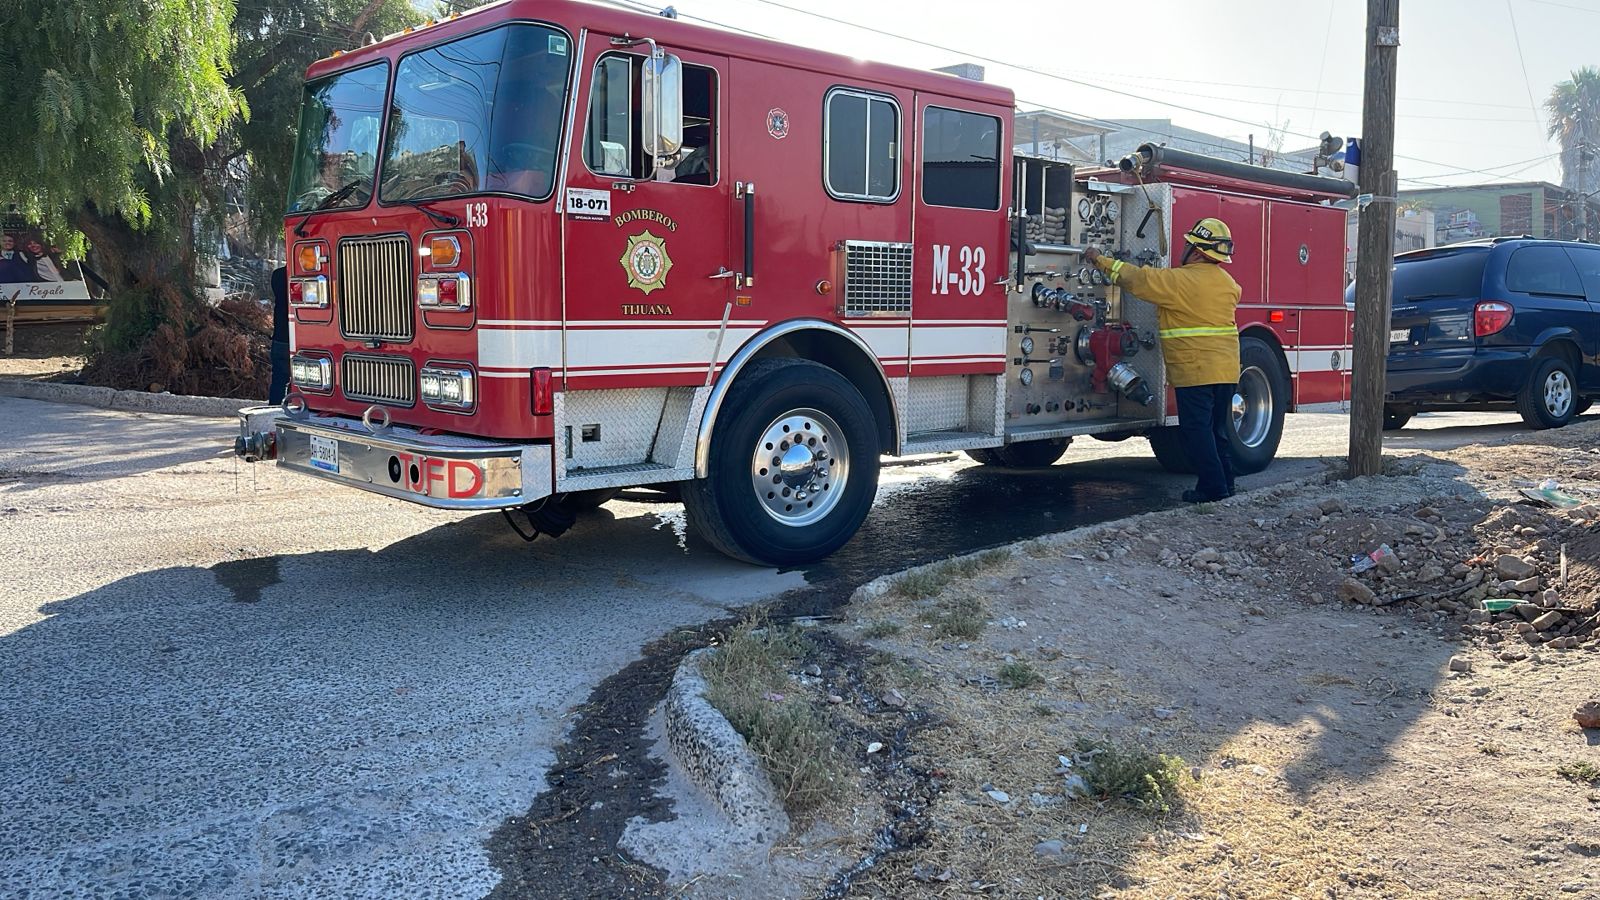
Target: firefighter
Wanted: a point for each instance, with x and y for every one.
(1200, 340)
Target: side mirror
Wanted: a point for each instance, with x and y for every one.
(661, 107)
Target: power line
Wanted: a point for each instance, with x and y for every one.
(1522, 59)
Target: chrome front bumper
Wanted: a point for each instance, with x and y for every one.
(442, 471)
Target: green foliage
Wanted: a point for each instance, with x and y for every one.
(1580, 770)
(1145, 779)
(1018, 674)
(1574, 108)
(108, 104)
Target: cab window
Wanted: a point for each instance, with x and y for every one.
(960, 159)
(861, 146)
(612, 144)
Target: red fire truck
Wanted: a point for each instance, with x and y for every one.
(548, 249)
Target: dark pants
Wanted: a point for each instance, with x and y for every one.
(280, 372)
(1205, 422)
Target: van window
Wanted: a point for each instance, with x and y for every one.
(1543, 270)
(960, 159)
(611, 144)
(1442, 274)
(1587, 259)
(861, 146)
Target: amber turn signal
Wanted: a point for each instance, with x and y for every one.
(309, 256)
(444, 251)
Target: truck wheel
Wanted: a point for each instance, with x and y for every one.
(1548, 400)
(1168, 447)
(1259, 404)
(1024, 455)
(1395, 417)
(793, 468)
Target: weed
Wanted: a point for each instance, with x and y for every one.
(1037, 549)
(1019, 674)
(930, 580)
(1203, 509)
(1043, 711)
(1579, 770)
(1492, 749)
(962, 618)
(880, 629)
(920, 584)
(1149, 780)
(747, 680)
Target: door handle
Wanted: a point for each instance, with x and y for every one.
(747, 191)
(723, 273)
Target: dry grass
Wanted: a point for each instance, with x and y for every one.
(928, 581)
(1579, 770)
(748, 681)
(1018, 674)
(963, 617)
(882, 628)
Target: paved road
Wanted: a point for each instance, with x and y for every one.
(218, 679)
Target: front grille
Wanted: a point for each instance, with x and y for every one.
(375, 288)
(380, 379)
(877, 278)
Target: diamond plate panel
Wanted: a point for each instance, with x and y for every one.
(937, 403)
(627, 421)
(1141, 314)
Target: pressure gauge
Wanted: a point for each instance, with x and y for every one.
(1113, 209)
(1027, 346)
(1085, 209)
(1026, 377)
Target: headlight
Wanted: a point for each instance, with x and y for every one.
(308, 291)
(314, 373)
(452, 292)
(447, 387)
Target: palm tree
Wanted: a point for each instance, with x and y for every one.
(1574, 107)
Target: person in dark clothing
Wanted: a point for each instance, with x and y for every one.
(280, 335)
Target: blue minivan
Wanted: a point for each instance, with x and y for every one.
(1508, 323)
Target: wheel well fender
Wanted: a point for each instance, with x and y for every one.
(1268, 337)
(816, 340)
(1560, 342)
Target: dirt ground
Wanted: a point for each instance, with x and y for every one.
(1332, 747)
(43, 350)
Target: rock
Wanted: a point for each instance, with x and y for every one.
(1587, 715)
(1307, 513)
(1355, 592)
(1049, 848)
(1513, 568)
(1550, 599)
(1389, 563)
(1203, 557)
(1074, 785)
(894, 698)
(1460, 664)
(874, 747)
(998, 795)
(835, 698)
(1547, 621)
(1163, 713)
(1330, 506)
(1430, 573)
(1427, 512)
(814, 670)
(1528, 611)
(1526, 585)
(1042, 801)
(1477, 616)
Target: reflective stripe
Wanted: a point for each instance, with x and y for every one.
(1198, 332)
(1116, 269)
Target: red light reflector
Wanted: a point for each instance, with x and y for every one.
(1275, 316)
(449, 292)
(297, 292)
(544, 402)
(1490, 316)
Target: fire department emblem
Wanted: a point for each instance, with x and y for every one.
(645, 261)
(777, 123)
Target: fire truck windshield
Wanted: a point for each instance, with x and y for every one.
(338, 144)
(480, 114)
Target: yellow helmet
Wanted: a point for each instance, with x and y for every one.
(1212, 237)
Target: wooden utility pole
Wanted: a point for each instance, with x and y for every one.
(1375, 243)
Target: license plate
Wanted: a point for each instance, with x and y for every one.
(325, 454)
(1399, 335)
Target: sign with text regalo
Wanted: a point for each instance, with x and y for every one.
(33, 273)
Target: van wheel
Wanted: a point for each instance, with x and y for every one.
(793, 468)
(1024, 455)
(1549, 399)
(1395, 418)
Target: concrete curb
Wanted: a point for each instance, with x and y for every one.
(716, 758)
(132, 401)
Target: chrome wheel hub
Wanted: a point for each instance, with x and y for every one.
(1557, 394)
(799, 467)
(1252, 407)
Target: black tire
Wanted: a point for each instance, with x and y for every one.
(1168, 447)
(1583, 406)
(1395, 418)
(1112, 437)
(1024, 455)
(1254, 451)
(725, 508)
(592, 499)
(1549, 399)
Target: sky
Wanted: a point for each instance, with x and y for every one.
(1472, 81)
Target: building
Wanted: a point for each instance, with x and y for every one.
(1535, 208)
(1414, 229)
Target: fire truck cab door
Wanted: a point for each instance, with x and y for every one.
(648, 276)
